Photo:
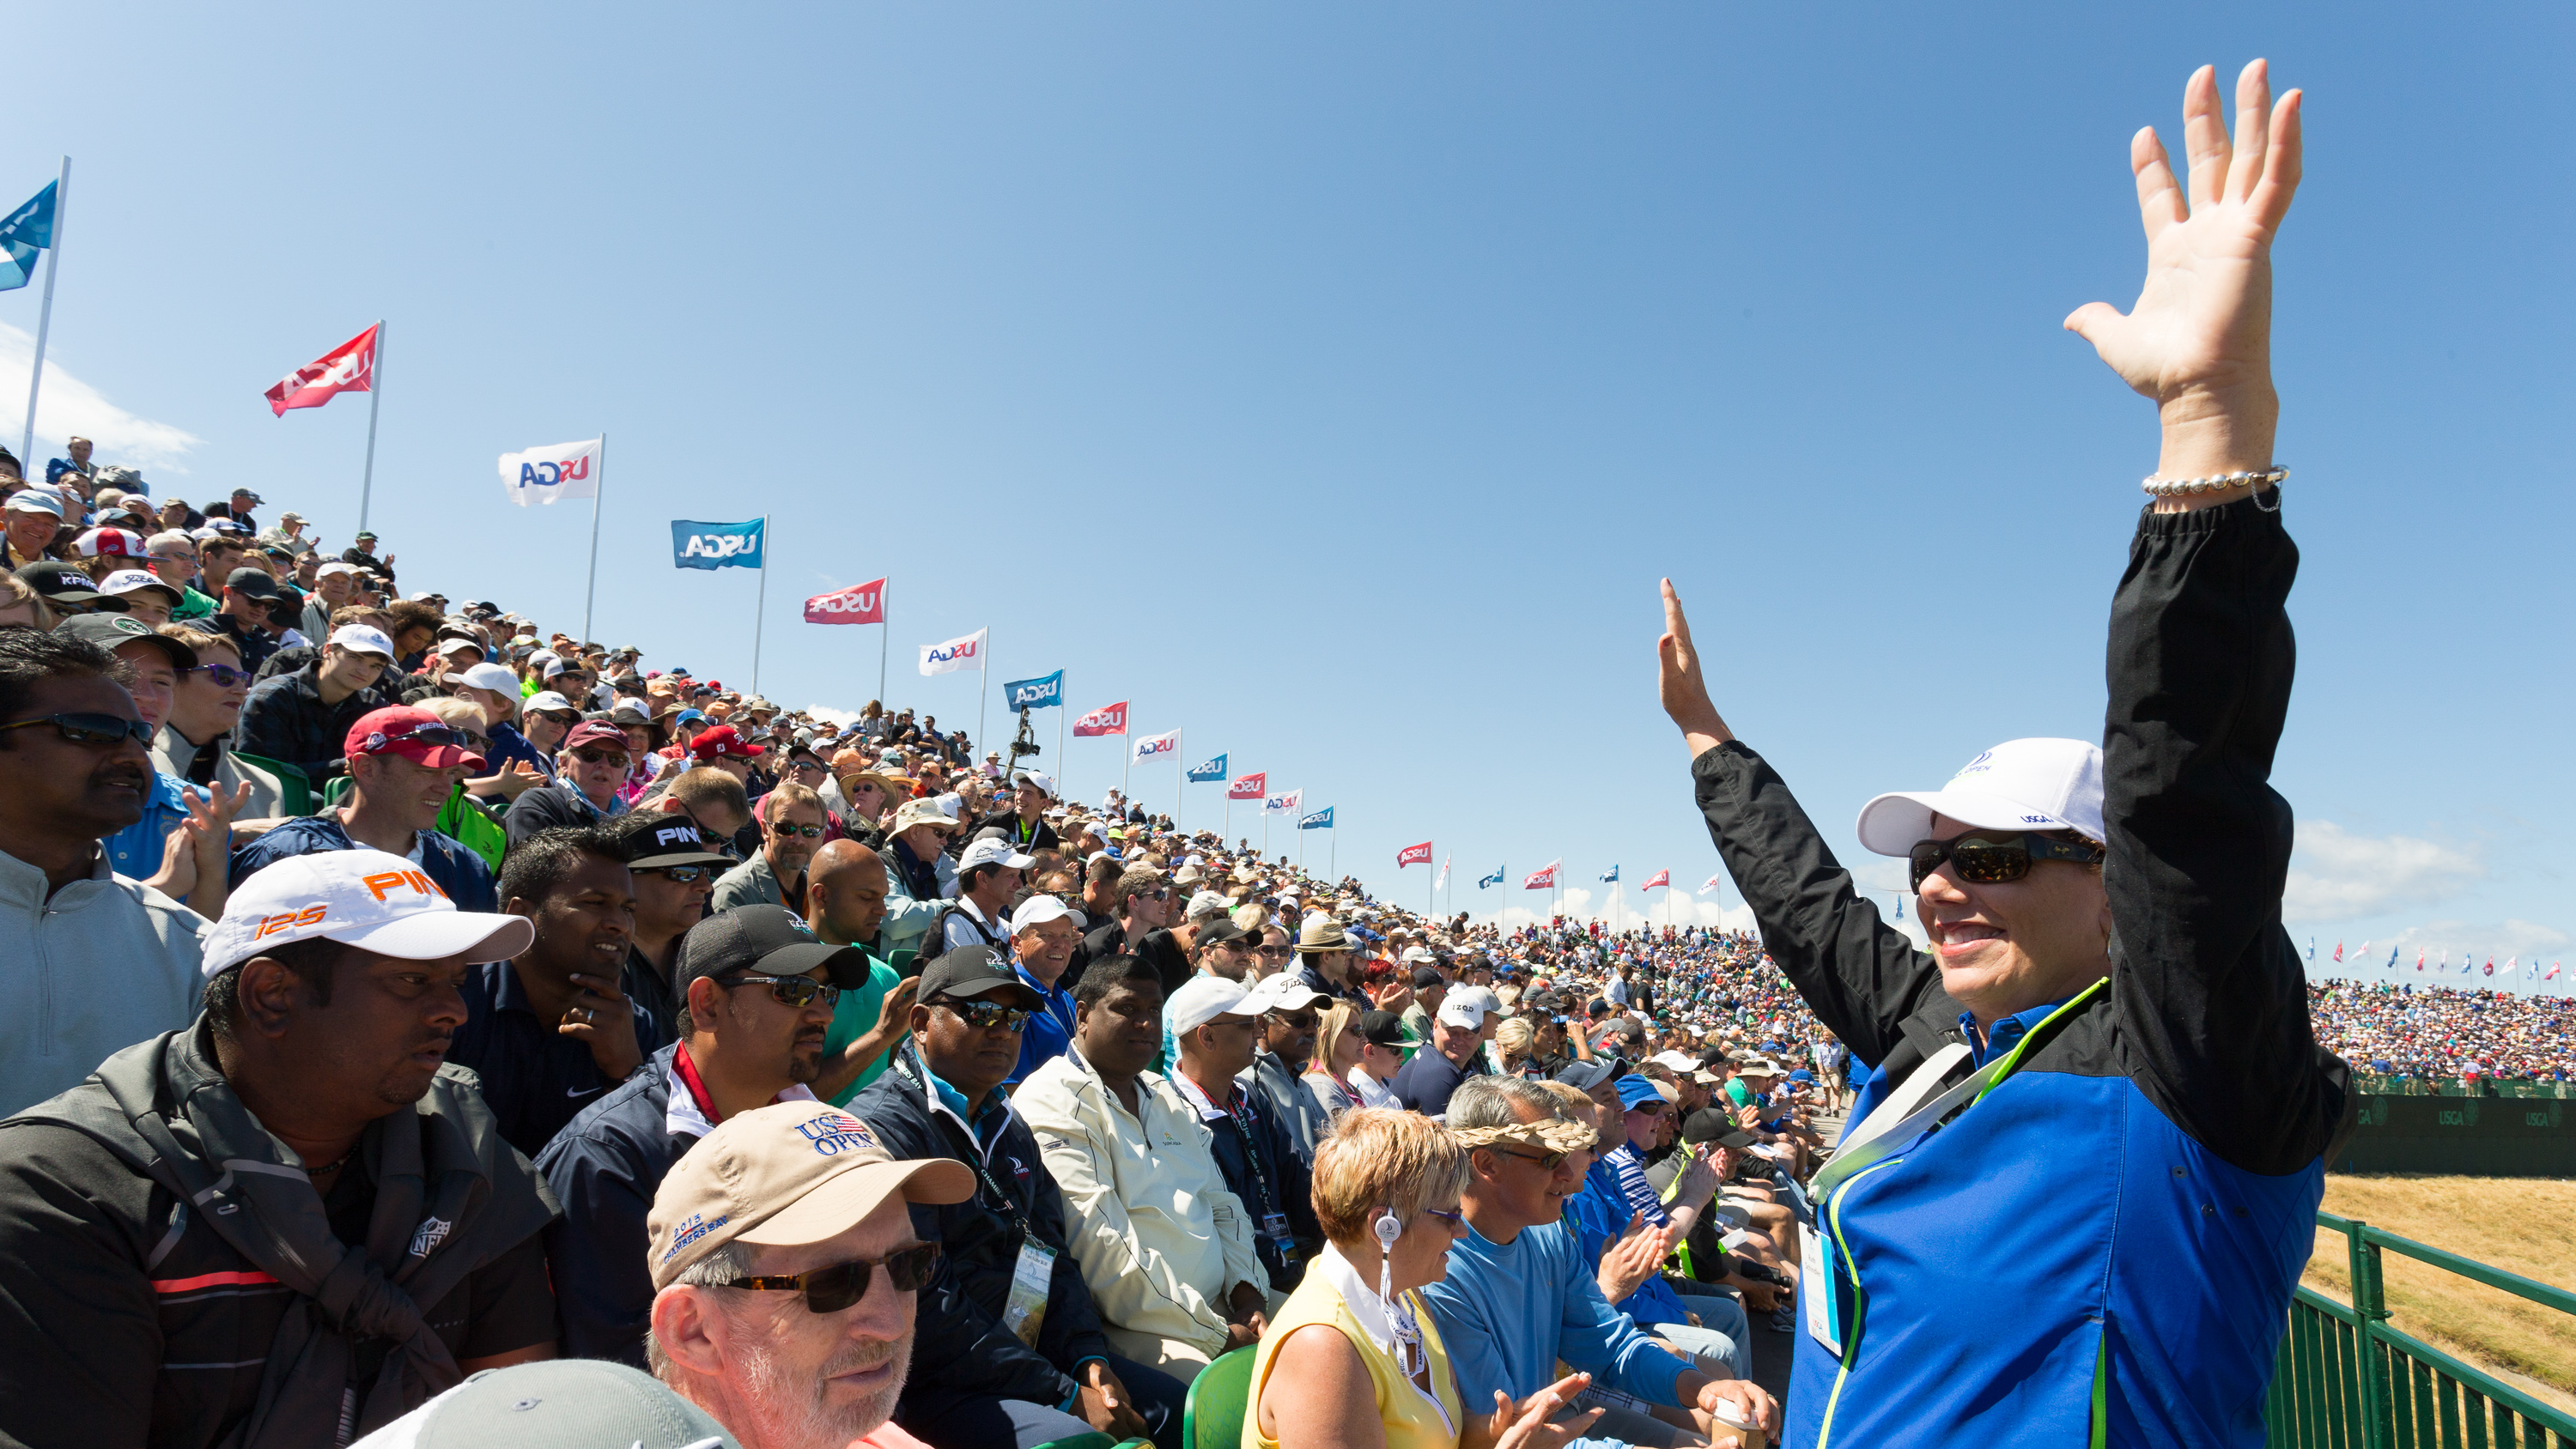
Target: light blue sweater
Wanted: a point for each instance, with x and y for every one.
(1509, 1311)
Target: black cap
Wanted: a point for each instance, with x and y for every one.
(1386, 1029)
(971, 971)
(254, 582)
(1425, 977)
(769, 938)
(1584, 1076)
(108, 631)
(651, 840)
(1710, 1125)
(62, 583)
(1220, 931)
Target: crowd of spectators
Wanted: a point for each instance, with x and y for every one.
(2444, 1034)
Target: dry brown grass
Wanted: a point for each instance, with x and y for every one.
(2523, 1225)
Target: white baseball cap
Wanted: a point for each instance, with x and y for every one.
(1285, 991)
(542, 699)
(379, 903)
(991, 851)
(135, 581)
(335, 566)
(2036, 784)
(1464, 1010)
(1203, 999)
(1037, 911)
(364, 639)
(1045, 783)
(494, 677)
(1206, 904)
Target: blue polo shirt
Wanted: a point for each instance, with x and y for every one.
(136, 850)
(1049, 1032)
(535, 1079)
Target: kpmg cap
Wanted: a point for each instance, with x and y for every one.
(564, 1403)
(784, 1175)
(382, 904)
(964, 971)
(2034, 784)
(1203, 999)
(62, 583)
(768, 937)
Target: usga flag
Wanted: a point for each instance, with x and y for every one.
(542, 475)
(1209, 770)
(1712, 882)
(26, 231)
(1662, 878)
(1611, 874)
(1543, 877)
(349, 367)
(1320, 820)
(1042, 693)
(1109, 719)
(1283, 804)
(964, 652)
(1413, 855)
(1152, 745)
(857, 604)
(1248, 787)
(1443, 877)
(1495, 879)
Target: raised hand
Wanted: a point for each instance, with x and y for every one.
(2199, 338)
(1679, 682)
(1526, 1425)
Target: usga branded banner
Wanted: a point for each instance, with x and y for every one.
(1320, 820)
(1043, 693)
(966, 652)
(1249, 787)
(1109, 719)
(1152, 745)
(542, 475)
(1413, 855)
(857, 604)
(717, 545)
(1283, 804)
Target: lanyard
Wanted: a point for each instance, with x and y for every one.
(974, 1158)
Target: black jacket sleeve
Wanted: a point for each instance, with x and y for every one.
(1861, 976)
(596, 1251)
(2212, 1001)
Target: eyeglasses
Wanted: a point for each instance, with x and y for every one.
(1547, 1161)
(829, 1290)
(1275, 951)
(986, 1015)
(1453, 1219)
(95, 730)
(801, 766)
(222, 676)
(789, 990)
(1297, 1020)
(601, 757)
(1993, 860)
(684, 874)
(566, 719)
(802, 832)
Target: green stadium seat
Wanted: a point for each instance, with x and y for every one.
(1212, 1416)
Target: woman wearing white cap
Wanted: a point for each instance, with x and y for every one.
(2112, 1024)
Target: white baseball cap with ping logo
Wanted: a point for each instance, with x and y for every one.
(379, 903)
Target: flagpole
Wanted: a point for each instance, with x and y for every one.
(759, 610)
(375, 403)
(1333, 853)
(885, 635)
(1063, 774)
(590, 591)
(1127, 738)
(45, 318)
(983, 694)
(1431, 897)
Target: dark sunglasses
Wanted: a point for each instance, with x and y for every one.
(788, 990)
(1993, 860)
(600, 757)
(829, 1290)
(1276, 951)
(564, 718)
(804, 832)
(684, 874)
(433, 735)
(222, 676)
(91, 729)
(986, 1015)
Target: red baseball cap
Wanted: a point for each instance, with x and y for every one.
(721, 739)
(415, 734)
(594, 732)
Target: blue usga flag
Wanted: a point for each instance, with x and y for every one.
(1611, 874)
(1490, 880)
(1042, 693)
(28, 230)
(717, 545)
(1320, 820)
(1212, 770)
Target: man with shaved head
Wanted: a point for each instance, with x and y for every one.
(845, 903)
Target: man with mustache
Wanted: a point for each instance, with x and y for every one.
(755, 997)
(786, 1274)
(291, 1220)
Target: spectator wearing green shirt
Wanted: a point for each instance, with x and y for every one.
(845, 904)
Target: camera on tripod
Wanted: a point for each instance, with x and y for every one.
(1025, 743)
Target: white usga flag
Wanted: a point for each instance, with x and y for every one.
(1283, 804)
(1152, 745)
(542, 475)
(956, 654)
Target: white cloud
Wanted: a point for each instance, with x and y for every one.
(836, 718)
(2336, 875)
(69, 406)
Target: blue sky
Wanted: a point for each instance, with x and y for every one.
(1335, 382)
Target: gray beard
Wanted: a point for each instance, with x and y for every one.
(791, 1408)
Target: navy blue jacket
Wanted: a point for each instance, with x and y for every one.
(605, 1166)
(535, 1079)
(2102, 1247)
(458, 871)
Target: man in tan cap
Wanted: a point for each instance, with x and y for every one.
(785, 1274)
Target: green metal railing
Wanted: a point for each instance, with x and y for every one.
(2347, 1380)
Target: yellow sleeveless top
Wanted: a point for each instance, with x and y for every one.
(1412, 1421)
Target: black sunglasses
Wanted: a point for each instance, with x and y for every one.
(829, 1290)
(1993, 860)
(222, 676)
(564, 718)
(1547, 1161)
(795, 991)
(600, 757)
(91, 729)
(684, 874)
(985, 1015)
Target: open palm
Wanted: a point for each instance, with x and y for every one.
(2200, 333)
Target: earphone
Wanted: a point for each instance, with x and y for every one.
(1388, 1229)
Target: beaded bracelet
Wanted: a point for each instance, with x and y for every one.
(2216, 482)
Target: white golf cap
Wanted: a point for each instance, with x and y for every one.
(1464, 1010)
(1037, 911)
(494, 677)
(335, 566)
(377, 902)
(1206, 904)
(1203, 999)
(542, 699)
(1285, 991)
(135, 581)
(2036, 784)
(1044, 782)
(1419, 956)
(363, 639)
(993, 852)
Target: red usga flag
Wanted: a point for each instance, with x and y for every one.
(349, 367)
(1249, 787)
(1109, 719)
(1662, 878)
(1413, 855)
(857, 604)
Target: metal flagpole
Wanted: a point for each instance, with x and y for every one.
(885, 635)
(1333, 856)
(760, 609)
(1127, 739)
(1431, 897)
(1064, 791)
(375, 404)
(45, 318)
(983, 693)
(1180, 773)
(1301, 845)
(590, 591)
